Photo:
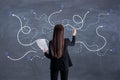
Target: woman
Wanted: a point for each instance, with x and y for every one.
(58, 53)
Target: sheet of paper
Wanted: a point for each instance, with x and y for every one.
(42, 44)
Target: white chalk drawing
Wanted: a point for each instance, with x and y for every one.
(25, 30)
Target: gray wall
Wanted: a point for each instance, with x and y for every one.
(103, 64)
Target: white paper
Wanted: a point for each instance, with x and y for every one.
(42, 44)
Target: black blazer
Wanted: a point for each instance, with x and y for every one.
(65, 61)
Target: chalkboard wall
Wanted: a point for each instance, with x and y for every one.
(95, 56)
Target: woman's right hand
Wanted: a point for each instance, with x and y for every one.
(74, 31)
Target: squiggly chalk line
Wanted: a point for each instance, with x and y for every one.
(86, 45)
(76, 23)
(31, 51)
(21, 30)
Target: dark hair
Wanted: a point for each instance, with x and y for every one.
(57, 45)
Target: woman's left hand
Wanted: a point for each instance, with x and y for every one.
(44, 50)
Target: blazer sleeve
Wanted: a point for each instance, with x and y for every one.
(48, 54)
(71, 43)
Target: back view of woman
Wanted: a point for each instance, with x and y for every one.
(58, 53)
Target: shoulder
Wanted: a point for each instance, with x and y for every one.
(66, 39)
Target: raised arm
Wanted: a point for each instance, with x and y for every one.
(72, 43)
